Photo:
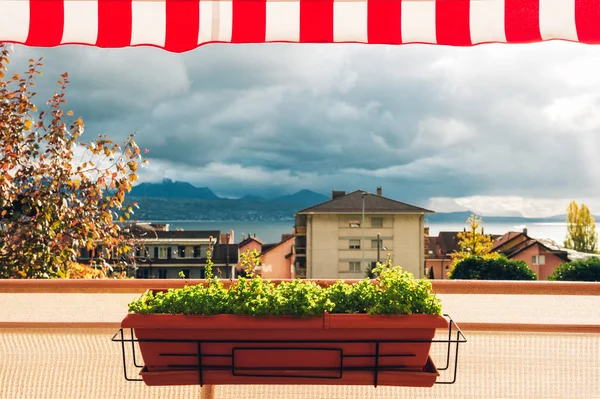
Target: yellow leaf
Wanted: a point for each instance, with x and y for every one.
(28, 124)
(70, 113)
(1, 74)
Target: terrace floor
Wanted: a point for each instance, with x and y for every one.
(57, 345)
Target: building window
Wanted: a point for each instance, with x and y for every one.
(162, 273)
(142, 273)
(354, 224)
(186, 273)
(374, 244)
(162, 252)
(354, 267)
(538, 260)
(181, 251)
(354, 244)
(197, 251)
(377, 222)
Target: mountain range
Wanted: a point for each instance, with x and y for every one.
(175, 200)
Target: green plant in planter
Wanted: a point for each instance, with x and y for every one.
(394, 292)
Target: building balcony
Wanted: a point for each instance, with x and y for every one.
(299, 230)
(300, 251)
(525, 340)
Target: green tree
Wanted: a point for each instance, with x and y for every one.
(581, 229)
(580, 270)
(473, 241)
(58, 195)
(499, 268)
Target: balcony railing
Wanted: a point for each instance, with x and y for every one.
(526, 340)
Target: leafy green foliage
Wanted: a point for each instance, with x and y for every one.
(395, 292)
(500, 268)
(581, 270)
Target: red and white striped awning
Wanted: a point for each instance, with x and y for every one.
(182, 25)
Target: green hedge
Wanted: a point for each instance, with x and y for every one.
(477, 268)
(581, 270)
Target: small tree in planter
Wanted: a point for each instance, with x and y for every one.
(302, 327)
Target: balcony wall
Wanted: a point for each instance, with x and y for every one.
(526, 340)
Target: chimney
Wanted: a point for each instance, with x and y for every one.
(336, 194)
(243, 236)
(525, 230)
(426, 230)
(379, 191)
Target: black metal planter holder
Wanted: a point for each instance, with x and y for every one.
(455, 338)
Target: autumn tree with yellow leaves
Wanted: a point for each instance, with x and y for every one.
(58, 195)
(473, 241)
(581, 229)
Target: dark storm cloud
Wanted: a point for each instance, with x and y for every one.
(422, 121)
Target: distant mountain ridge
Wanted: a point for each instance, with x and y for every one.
(172, 189)
(169, 200)
(175, 200)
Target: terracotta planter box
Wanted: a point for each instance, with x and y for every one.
(333, 349)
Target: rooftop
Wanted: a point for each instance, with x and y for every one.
(374, 203)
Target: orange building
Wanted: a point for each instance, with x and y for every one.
(276, 260)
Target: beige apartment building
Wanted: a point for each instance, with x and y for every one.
(338, 239)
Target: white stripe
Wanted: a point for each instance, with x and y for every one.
(14, 20)
(225, 20)
(350, 21)
(81, 22)
(487, 21)
(283, 21)
(418, 21)
(205, 32)
(557, 19)
(148, 22)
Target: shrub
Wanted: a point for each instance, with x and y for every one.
(500, 268)
(581, 270)
(397, 292)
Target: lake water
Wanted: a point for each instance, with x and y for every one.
(270, 232)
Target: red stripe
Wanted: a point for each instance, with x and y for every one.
(183, 22)
(587, 20)
(46, 22)
(316, 21)
(384, 21)
(452, 25)
(114, 23)
(522, 21)
(249, 21)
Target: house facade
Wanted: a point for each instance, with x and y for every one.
(342, 237)
(515, 245)
(162, 253)
(276, 260)
(541, 259)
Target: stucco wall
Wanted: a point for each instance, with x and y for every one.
(322, 247)
(441, 267)
(274, 263)
(543, 271)
(328, 239)
(409, 243)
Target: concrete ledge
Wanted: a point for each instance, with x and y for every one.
(439, 286)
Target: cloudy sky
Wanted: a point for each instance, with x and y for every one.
(498, 129)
